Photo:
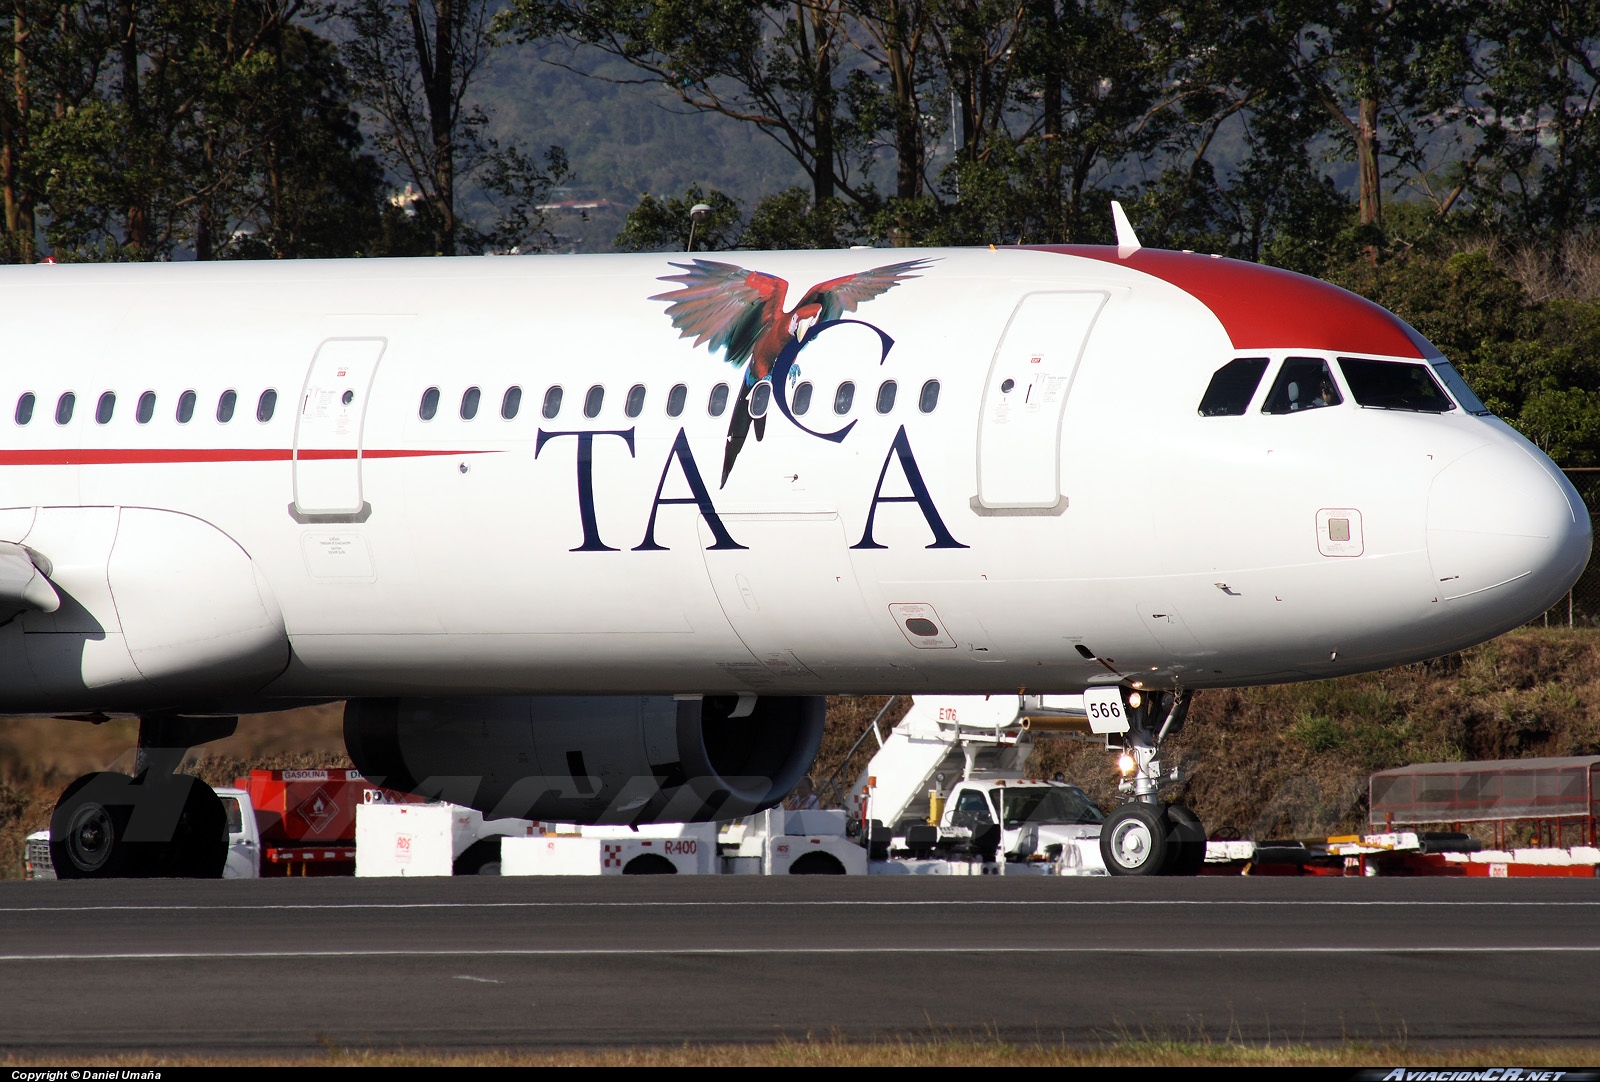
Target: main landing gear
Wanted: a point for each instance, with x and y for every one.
(1144, 835)
(155, 824)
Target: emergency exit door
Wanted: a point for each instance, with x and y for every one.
(327, 433)
(1019, 434)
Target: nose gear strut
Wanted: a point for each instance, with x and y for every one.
(1144, 835)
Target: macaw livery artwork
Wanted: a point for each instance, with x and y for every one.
(741, 312)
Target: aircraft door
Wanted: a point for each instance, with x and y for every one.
(1019, 433)
(327, 432)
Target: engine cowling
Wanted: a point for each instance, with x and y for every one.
(589, 759)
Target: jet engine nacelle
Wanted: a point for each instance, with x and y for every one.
(589, 759)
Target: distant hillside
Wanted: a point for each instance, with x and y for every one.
(622, 140)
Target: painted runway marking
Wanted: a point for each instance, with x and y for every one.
(594, 952)
(947, 903)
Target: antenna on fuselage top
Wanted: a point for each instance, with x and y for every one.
(1127, 242)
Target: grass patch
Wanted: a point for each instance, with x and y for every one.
(835, 1052)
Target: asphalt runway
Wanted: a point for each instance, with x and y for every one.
(240, 968)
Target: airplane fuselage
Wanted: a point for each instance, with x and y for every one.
(1037, 504)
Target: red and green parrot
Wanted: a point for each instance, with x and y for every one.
(741, 312)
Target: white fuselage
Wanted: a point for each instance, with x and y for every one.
(348, 547)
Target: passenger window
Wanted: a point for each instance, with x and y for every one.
(429, 405)
(186, 403)
(635, 404)
(886, 393)
(1303, 383)
(928, 400)
(1394, 385)
(593, 401)
(25, 408)
(104, 408)
(760, 399)
(266, 405)
(146, 409)
(802, 399)
(552, 403)
(676, 399)
(844, 398)
(64, 406)
(225, 406)
(1232, 387)
(469, 403)
(511, 403)
(719, 400)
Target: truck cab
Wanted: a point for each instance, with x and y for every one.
(1037, 819)
(244, 839)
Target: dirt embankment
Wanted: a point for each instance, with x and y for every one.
(1288, 761)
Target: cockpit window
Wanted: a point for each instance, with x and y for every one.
(1232, 387)
(1458, 387)
(1303, 383)
(1394, 385)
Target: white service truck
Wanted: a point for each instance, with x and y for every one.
(948, 784)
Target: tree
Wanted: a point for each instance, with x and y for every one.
(1376, 68)
(772, 63)
(1539, 73)
(413, 64)
(154, 129)
(664, 225)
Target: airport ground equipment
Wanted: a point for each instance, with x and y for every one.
(949, 782)
(780, 842)
(1559, 798)
(430, 839)
(571, 849)
(306, 823)
(1403, 854)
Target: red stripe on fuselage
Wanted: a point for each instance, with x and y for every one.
(1267, 308)
(139, 456)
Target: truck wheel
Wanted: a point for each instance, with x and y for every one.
(88, 829)
(817, 864)
(482, 857)
(649, 864)
(1133, 840)
(1186, 842)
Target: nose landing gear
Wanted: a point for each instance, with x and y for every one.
(1144, 835)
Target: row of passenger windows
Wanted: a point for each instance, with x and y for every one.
(677, 398)
(1307, 383)
(145, 410)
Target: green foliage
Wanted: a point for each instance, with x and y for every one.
(412, 67)
(786, 220)
(151, 130)
(664, 225)
(790, 219)
(1536, 364)
(1318, 732)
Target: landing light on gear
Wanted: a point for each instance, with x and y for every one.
(1145, 836)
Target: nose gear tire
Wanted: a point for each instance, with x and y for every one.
(1186, 842)
(1133, 840)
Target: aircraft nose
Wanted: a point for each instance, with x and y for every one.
(1507, 535)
